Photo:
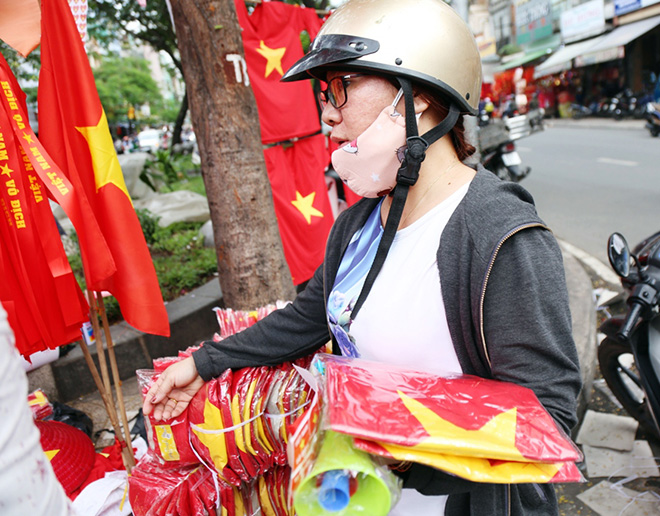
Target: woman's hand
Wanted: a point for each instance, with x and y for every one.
(169, 396)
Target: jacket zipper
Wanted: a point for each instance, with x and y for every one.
(481, 316)
(488, 271)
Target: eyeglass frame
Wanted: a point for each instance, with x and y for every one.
(324, 96)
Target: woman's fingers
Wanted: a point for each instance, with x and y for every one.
(157, 393)
(169, 408)
(171, 393)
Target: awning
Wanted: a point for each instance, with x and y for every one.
(611, 45)
(561, 59)
(538, 49)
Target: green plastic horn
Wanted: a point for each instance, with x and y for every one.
(337, 453)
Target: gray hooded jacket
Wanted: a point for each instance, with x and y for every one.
(507, 308)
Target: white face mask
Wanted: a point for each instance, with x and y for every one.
(369, 164)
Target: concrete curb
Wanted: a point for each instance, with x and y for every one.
(192, 320)
(583, 312)
(595, 123)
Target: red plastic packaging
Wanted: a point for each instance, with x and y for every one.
(155, 491)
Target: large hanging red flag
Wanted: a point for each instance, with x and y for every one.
(302, 206)
(271, 42)
(74, 130)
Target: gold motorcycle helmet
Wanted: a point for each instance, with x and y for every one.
(425, 41)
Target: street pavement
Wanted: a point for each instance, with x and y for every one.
(596, 123)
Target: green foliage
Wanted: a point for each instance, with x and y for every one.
(124, 82)
(166, 169)
(109, 20)
(165, 110)
(149, 224)
(24, 68)
(181, 260)
(192, 184)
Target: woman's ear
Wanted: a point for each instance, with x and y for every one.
(421, 105)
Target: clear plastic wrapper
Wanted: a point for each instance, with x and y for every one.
(482, 430)
(178, 491)
(169, 439)
(233, 321)
(212, 435)
(235, 430)
(329, 475)
(39, 405)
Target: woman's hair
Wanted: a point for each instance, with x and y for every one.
(463, 148)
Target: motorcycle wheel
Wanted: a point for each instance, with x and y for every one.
(618, 368)
(655, 131)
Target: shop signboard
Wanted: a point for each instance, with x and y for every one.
(600, 57)
(584, 20)
(626, 6)
(533, 20)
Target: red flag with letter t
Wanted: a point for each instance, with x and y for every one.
(74, 130)
(271, 42)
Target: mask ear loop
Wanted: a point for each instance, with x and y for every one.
(396, 101)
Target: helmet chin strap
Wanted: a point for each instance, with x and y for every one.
(406, 177)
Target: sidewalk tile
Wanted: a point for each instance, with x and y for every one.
(607, 431)
(611, 500)
(603, 462)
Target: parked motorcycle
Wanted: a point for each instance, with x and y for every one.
(629, 355)
(497, 143)
(504, 161)
(578, 111)
(653, 118)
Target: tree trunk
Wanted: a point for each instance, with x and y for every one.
(180, 117)
(251, 262)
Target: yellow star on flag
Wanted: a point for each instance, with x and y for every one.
(28, 138)
(104, 157)
(210, 435)
(499, 432)
(305, 206)
(5, 170)
(274, 58)
(51, 453)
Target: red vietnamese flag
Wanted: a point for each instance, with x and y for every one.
(460, 415)
(302, 206)
(271, 42)
(73, 201)
(74, 130)
(39, 291)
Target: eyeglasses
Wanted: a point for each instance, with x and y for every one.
(335, 93)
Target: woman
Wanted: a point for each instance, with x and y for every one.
(449, 269)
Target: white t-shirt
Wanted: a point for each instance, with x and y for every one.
(407, 326)
(403, 325)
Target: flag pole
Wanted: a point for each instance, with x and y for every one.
(100, 353)
(115, 373)
(103, 385)
(106, 401)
